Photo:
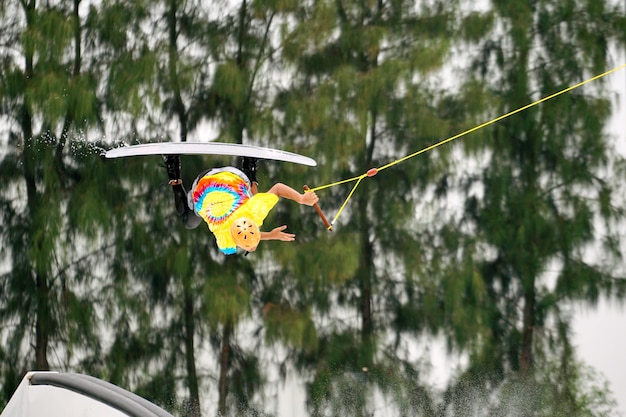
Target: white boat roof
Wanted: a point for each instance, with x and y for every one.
(55, 394)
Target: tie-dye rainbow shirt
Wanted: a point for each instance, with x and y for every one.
(221, 197)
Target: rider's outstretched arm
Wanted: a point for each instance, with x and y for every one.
(278, 233)
(282, 190)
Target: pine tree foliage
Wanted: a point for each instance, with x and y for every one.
(44, 288)
(42, 95)
(363, 95)
(541, 208)
(98, 275)
(66, 210)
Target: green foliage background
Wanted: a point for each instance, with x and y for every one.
(484, 244)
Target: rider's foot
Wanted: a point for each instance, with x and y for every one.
(249, 167)
(172, 164)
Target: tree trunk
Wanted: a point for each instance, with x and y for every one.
(365, 283)
(224, 364)
(190, 356)
(526, 354)
(367, 262)
(179, 106)
(41, 284)
(41, 326)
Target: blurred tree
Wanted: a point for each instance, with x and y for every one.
(237, 100)
(212, 71)
(363, 90)
(539, 229)
(61, 204)
(179, 33)
(45, 96)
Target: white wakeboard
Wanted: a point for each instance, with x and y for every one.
(208, 148)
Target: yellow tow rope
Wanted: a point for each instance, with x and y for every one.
(373, 171)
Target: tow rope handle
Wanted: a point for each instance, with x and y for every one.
(321, 213)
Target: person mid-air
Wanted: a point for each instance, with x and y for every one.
(227, 199)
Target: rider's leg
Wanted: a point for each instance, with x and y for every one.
(188, 217)
(249, 167)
